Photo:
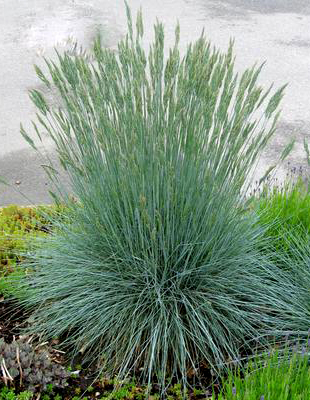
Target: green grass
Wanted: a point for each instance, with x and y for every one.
(156, 269)
(285, 211)
(282, 375)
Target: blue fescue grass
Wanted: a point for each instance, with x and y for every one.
(157, 268)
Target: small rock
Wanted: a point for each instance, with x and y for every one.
(17, 182)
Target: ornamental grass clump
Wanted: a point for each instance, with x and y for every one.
(155, 272)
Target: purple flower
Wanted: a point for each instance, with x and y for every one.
(262, 397)
(234, 391)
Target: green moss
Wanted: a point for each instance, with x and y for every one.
(18, 227)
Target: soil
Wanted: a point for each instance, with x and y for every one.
(82, 384)
(12, 319)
